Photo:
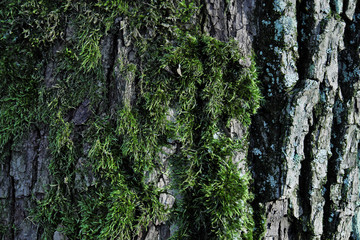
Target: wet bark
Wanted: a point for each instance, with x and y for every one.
(303, 143)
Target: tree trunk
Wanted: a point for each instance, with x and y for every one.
(131, 120)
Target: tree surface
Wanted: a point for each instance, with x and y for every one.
(205, 119)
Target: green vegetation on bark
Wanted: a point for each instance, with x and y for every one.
(180, 69)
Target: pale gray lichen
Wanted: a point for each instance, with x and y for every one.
(266, 23)
(272, 147)
(346, 182)
(290, 79)
(279, 5)
(285, 25)
(321, 157)
(297, 158)
(278, 30)
(357, 71)
(338, 109)
(323, 191)
(257, 152)
(272, 181)
(322, 97)
(278, 50)
(356, 224)
(338, 6)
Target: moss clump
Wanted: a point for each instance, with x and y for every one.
(211, 90)
(180, 68)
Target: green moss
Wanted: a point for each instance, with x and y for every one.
(211, 90)
(18, 89)
(180, 68)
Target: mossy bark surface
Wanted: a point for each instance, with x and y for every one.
(221, 119)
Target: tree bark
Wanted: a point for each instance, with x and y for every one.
(302, 143)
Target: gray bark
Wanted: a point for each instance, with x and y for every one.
(305, 138)
(303, 151)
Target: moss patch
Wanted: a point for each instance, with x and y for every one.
(180, 69)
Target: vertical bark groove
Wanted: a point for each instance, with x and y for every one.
(12, 208)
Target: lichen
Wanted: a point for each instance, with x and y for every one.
(285, 26)
(338, 6)
(266, 23)
(297, 159)
(279, 5)
(257, 152)
(290, 79)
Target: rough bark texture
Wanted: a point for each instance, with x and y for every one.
(308, 129)
(303, 150)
